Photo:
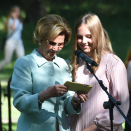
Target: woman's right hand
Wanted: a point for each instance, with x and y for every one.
(53, 91)
(57, 90)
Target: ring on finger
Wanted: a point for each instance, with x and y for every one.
(61, 92)
(82, 99)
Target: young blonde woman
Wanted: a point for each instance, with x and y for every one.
(91, 40)
(128, 66)
(14, 42)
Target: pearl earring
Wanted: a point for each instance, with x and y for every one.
(39, 43)
(47, 41)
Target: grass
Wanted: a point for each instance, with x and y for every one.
(6, 128)
(14, 112)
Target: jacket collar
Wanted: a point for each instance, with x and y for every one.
(40, 60)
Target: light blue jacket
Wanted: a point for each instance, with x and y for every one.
(33, 74)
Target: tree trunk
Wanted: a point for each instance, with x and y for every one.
(35, 9)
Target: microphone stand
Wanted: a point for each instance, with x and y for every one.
(111, 102)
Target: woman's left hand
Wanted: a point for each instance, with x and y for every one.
(78, 98)
(91, 127)
(82, 96)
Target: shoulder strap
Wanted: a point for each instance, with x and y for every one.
(8, 36)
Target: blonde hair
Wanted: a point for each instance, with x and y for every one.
(50, 26)
(128, 58)
(100, 43)
(10, 16)
(108, 46)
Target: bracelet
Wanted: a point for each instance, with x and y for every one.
(40, 102)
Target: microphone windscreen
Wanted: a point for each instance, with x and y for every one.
(77, 53)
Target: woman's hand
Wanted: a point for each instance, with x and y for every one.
(78, 98)
(82, 96)
(57, 90)
(53, 91)
(91, 127)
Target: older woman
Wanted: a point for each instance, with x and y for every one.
(38, 78)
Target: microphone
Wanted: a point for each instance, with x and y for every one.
(85, 58)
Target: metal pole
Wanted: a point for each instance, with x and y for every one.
(0, 110)
(111, 99)
(9, 105)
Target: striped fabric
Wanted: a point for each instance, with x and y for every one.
(114, 76)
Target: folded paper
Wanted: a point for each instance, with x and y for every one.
(73, 86)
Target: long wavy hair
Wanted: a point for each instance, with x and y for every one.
(128, 58)
(10, 16)
(108, 45)
(101, 41)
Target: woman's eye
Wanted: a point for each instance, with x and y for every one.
(60, 44)
(88, 36)
(79, 37)
(52, 43)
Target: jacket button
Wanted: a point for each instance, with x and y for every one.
(60, 123)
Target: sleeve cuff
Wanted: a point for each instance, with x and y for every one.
(71, 110)
(96, 123)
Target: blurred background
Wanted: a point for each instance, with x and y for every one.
(115, 16)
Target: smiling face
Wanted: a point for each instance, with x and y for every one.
(49, 49)
(84, 40)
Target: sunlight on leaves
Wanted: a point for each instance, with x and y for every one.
(2, 21)
(48, 9)
(23, 14)
(108, 8)
(84, 5)
(66, 7)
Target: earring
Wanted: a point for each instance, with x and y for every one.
(47, 41)
(39, 43)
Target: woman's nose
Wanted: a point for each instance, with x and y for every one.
(84, 40)
(56, 48)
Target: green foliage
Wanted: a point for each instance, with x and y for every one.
(6, 128)
(114, 15)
